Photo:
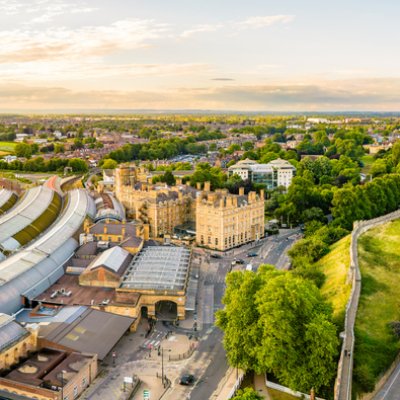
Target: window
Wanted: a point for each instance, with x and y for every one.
(216, 242)
(83, 382)
(75, 392)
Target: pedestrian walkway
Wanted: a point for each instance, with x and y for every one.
(228, 385)
(260, 387)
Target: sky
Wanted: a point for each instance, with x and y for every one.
(254, 55)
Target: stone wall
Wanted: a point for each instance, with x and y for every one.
(344, 378)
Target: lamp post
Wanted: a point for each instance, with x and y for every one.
(163, 377)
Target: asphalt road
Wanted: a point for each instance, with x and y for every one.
(391, 389)
(271, 250)
(216, 370)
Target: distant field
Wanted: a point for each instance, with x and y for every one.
(335, 265)
(375, 346)
(7, 146)
(4, 153)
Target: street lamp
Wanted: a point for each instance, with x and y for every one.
(163, 378)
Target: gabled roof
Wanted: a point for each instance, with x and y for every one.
(115, 259)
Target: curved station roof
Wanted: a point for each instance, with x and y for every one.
(36, 267)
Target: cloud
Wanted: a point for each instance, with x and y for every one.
(264, 21)
(201, 29)
(222, 79)
(46, 10)
(371, 94)
(93, 69)
(60, 43)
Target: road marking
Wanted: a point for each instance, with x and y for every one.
(393, 382)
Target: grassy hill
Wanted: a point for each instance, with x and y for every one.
(335, 266)
(376, 346)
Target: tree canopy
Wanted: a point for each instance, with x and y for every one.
(277, 322)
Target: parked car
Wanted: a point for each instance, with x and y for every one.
(252, 254)
(239, 261)
(187, 380)
(215, 256)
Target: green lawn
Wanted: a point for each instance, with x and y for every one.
(277, 395)
(7, 146)
(376, 346)
(335, 266)
(367, 160)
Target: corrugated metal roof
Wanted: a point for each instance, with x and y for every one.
(94, 332)
(32, 205)
(11, 332)
(113, 259)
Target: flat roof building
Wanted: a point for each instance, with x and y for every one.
(272, 175)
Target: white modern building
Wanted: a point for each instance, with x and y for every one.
(274, 174)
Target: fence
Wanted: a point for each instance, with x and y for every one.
(183, 356)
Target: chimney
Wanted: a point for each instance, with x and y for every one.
(178, 181)
(198, 186)
(241, 191)
(123, 231)
(262, 194)
(105, 229)
(207, 186)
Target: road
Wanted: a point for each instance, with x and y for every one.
(272, 250)
(208, 363)
(391, 389)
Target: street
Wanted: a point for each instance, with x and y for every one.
(391, 389)
(208, 361)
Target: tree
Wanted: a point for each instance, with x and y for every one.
(23, 150)
(276, 322)
(169, 178)
(297, 333)
(78, 165)
(239, 320)
(109, 164)
(247, 394)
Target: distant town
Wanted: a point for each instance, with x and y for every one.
(199, 256)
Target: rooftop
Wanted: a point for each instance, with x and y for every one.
(115, 259)
(94, 332)
(33, 204)
(10, 331)
(158, 268)
(46, 366)
(66, 226)
(81, 295)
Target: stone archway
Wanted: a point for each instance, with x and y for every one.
(166, 310)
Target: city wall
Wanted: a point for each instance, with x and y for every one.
(343, 385)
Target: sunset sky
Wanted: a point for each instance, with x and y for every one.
(263, 55)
